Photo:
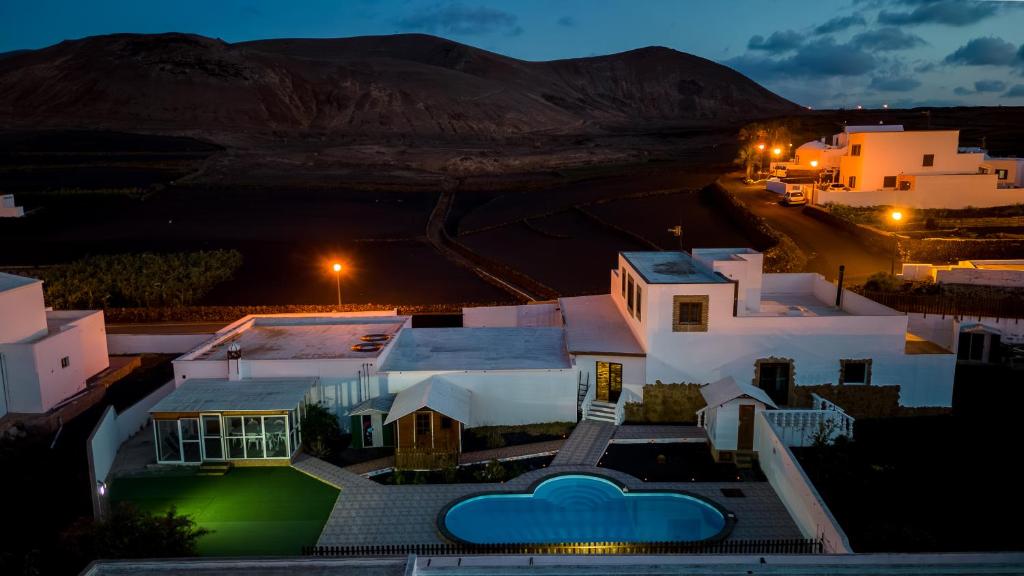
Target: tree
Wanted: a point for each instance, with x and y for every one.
(131, 533)
(321, 434)
(770, 135)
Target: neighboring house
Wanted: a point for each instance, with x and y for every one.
(671, 317)
(46, 357)
(1005, 273)
(8, 209)
(887, 165)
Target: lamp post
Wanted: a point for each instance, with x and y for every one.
(895, 217)
(337, 277)
(760, 162)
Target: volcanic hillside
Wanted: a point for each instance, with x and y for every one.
(413, 86)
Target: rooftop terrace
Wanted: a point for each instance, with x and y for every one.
(440, 349)
(671, 268)
(303, 338)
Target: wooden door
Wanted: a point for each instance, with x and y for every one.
(745, 434)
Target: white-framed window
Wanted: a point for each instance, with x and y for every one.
(855, 371)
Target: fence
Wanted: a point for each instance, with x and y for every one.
(945, 305)
(787, 546)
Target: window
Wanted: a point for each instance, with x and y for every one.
(855, 371)
(928, 160)
(65, 362)
(1001, 174)
(774, 376)
(422, 424)
(168, 442)
(622, 274)
(629, 294)
(855, 150)
(852, 183)
(446, 423)
(235, 436)
(690, 313)
(253, 437)
(190, 439)
(639, 300)
(276, 436)
(888, 182)
(609, 381)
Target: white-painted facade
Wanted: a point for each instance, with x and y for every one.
(1004, 273)
(8, 209)
(887, 165)
(46, 356)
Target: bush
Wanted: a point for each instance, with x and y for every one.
(883, 282)
(131, 533)
(321, 434)
(494, 471)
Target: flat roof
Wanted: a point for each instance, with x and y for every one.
(594, 325)
(220, 395)
(671, 267)
(303, 338)
(12, 281)
(874, 128)
(434, 349)
(795, 304)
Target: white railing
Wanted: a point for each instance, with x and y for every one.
(620, 410)
(702, 417)
(588, 397)
(824, 422)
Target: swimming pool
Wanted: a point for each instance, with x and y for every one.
(577, 508)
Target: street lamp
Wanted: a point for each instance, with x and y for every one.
(337, 277)
(895, 217)
(814, 163)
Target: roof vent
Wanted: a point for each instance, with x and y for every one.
(366, 347)
(375, 337)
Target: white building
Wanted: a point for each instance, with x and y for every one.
(46, 356)
(8, 209)
(671, 317)
(887, 165)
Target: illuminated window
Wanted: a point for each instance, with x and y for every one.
(855, 150)
(928, 160)
(1002, 174)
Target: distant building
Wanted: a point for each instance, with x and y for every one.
(8, 208)
(46, 357)
(887, 165)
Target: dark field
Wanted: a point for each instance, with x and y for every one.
(673, 462)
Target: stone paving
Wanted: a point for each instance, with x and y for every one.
(370, 513)
(585, 445)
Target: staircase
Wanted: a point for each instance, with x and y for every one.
(213, 469)
(601, 412)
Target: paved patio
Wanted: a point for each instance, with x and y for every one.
(585, 445)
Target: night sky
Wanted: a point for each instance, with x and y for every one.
(825, 53)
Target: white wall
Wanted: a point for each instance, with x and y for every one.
(981, 276)
(57, 383)
(953, 191)
(935, 328)
(154, 343)
(543, 314)
(506, 397)
(796, 491)
(136, 416)
(20, 379)
(633, 373)
(724, 421)
(23, 313)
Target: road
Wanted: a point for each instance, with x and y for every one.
(825, 246)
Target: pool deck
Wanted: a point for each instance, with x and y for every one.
(370, 513)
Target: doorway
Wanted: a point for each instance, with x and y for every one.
(609, 382)
(775, 378)
(213, 437)
(745, 434)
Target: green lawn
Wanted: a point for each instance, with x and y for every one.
(252, 511)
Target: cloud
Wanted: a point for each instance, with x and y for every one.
(1016, 92)
(779, 42)
(989, 86)
(459, 19)
(948, 12)
(840, 23)
(925, 67)
(961, 91)
(985, 51)
(886, 39)
(820, 58)
(566, 21)
(894, 84)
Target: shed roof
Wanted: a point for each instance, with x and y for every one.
(219, 395)
(440, 349)
(381, 404)
(593, 325)
(436, 393)
(721, 391)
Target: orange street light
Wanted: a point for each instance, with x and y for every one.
(814, 163)
(337, 277)
(760, 146)
(896, 216)
(776, 151)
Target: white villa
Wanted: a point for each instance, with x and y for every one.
(887, 165)
(8, 209)
(46, 357)
(712, 316)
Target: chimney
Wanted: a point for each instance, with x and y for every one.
(234, 361)
(839, 287)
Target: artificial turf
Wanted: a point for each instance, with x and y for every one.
(251, 511)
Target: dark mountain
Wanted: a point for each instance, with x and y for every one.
(414, 86)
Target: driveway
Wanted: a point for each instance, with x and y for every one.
(825, 246)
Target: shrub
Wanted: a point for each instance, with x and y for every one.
(131, 533)
(494, 471)
(883, 282)
(321, 434)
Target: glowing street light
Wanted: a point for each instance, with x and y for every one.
(776, 151)
(814, 163)
(337, 277)
(760, 146)
(895, 217)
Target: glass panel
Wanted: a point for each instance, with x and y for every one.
(253, 426)
(236, 448)
(234, 425)
(214, 449)
(274, 424)
(276, 444)
(211, 425)
(254, 447)
(170, 447)
(189, 429)
(191, 450)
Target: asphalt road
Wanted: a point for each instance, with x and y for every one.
(826, 247)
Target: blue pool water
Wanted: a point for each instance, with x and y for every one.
(581, 508)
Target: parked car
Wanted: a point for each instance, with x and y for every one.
(794, 198)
